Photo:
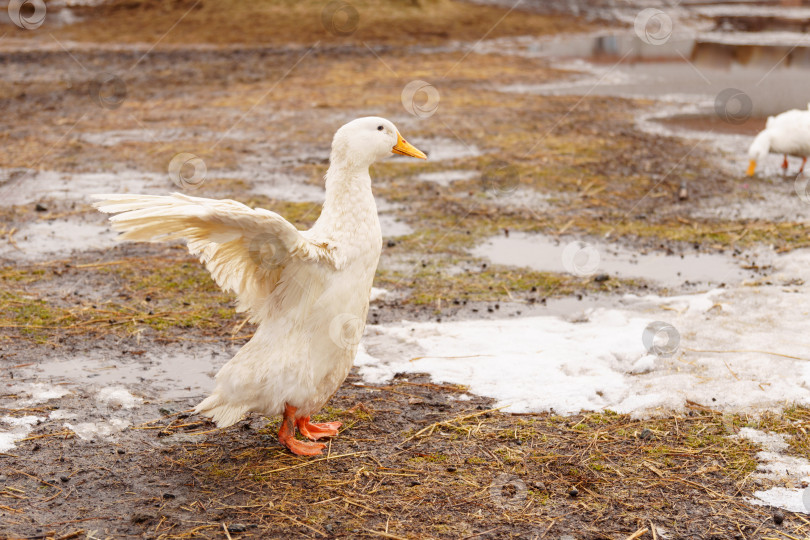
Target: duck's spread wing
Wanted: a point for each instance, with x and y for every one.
(245, 249)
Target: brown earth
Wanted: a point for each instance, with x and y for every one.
(260, 86)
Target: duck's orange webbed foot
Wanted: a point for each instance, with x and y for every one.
(286, 436)
(317, 431)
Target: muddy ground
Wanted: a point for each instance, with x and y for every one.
(103, 99)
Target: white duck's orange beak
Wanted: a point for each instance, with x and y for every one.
(752, 166)
(407, 149)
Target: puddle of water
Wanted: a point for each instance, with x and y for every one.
(713, 124)
(443, 149)
(772, 200)
(392, 226)
(21, 187)
(167, 375)
(596, 48)
(686, 75)
(283, 187)
(58, 237)
(445, 178)
(114, 138)
(756, 18)
(544, 254)
(688, 67)
(18, 187)
(687, 83)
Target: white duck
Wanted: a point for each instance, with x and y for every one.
(787, 133)
(307, 290)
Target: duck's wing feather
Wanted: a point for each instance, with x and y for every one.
(245, 249)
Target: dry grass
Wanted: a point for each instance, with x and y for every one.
(413, 463)
(284, 22)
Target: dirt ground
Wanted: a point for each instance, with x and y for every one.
(256, 90)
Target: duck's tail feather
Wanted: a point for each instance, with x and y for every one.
(222, 413)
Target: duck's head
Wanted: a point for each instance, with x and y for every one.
(363, 141)
(758, 150)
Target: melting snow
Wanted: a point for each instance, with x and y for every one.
(19, 429)
(738, 348)
(777, 466)
(94, 430)
(40, 393)
(377, 294)
(118, 396)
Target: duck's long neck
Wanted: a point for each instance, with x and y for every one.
(761, 145)
(349, 207)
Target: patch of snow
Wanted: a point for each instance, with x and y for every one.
(20, 428)
(119, 397)
(776, 466)
(60, 414)
(772, 442)
(98, 430)
(377, 294)
(22, 421)
(733, 348)
(790, 499)
(40, 393)
(7, 441)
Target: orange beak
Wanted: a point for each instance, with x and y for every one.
(752, 166)
(407, 149)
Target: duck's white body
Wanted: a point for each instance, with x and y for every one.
(307, 290)
(311, 323)
(787, 133)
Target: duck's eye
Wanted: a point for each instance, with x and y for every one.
(379, 128)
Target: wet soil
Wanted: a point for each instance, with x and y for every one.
(81, 315)
(171, 475)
